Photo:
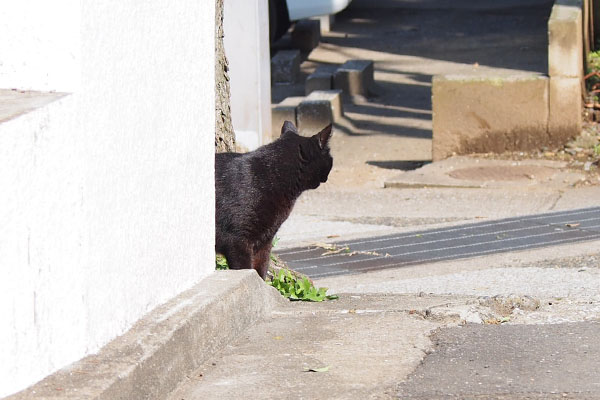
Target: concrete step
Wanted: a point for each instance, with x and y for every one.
(284, 111)
(285, 67)
(310, 114)
(354, 78)
(318, 80)
(306, 35)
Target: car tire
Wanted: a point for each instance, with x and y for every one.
(279, 20)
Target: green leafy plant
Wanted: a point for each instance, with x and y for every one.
(592, 78)
(597, 150)
(275, 241)
(593, 60)
(298, 289)
(288, 285)
(221, 262)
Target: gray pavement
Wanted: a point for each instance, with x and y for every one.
(363, 342)
(510, 362)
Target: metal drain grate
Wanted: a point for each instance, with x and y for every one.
(520, 233)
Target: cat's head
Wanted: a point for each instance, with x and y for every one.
(313, 154)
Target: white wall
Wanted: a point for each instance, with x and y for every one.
(107, 195)
(40, 44)
(246, 27)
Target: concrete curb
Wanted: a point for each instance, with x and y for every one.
(149, 360)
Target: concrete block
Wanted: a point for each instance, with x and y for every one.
(354, 78)
(149, 360)
(285, 67)
(564, 121)
(334, 97)
(565, 42)
(326, 22)
(318, 80)
(313, 115)
(284, 111)
(306, 35)
(479, 114)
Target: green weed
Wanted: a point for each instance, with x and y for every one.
(295, 289)
(221, 262)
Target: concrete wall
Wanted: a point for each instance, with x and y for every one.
(247, 48)
(497, 112)
(107, 206)
(565, 68)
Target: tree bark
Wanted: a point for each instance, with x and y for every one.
(224, 135)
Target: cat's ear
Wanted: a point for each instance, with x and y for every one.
(288, 127)
(324, 136)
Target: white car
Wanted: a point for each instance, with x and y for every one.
(283, 12)
(299, 9)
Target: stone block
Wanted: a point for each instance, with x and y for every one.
(480, 114)
(284, 111)
(306, 35)
(354, 78)
(318, 80)
(313, 115)
(285, 67)
(334, 97)
(565, 42)
(326, 22)
(564, 121)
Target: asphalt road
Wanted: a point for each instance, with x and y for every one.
(510, 361)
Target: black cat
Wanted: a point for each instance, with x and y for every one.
(256, 191)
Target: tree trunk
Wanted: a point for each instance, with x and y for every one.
(224, 135)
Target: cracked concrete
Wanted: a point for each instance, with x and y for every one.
(365, 341)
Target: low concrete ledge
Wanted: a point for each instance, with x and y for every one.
(565, 39)
(480, 114)
(565, 109)
(497, 113)
(565, 67)
(14, 103)
(150, 359)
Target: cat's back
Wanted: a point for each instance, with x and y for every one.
(222, 160)
(233, 176)
(227, 164)
(243, 167)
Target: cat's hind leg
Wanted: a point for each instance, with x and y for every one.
(238, 257)
(260, 259)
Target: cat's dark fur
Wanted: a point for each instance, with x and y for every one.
(256, 191)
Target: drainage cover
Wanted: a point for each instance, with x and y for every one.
(464, 241)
